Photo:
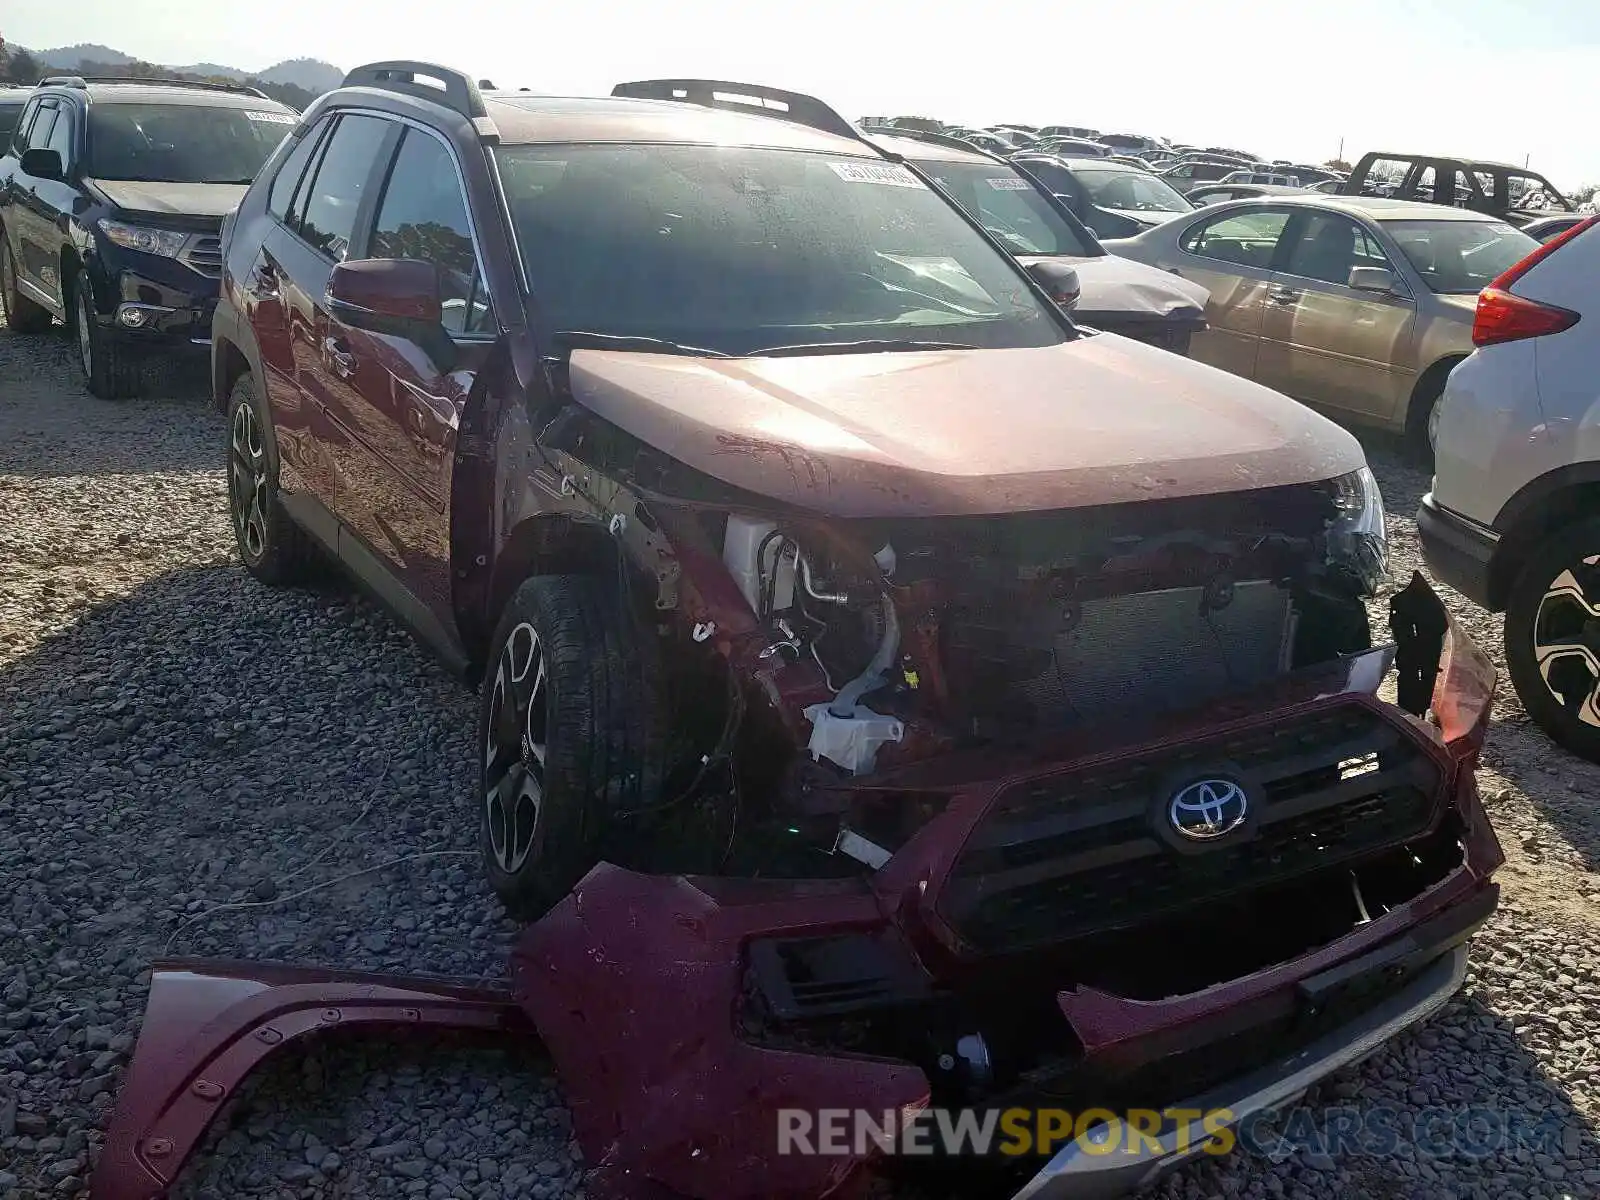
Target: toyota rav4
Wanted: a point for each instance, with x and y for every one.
(891, 693)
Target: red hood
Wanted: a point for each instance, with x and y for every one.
(1100, 420)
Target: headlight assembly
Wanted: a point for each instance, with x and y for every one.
(1358, 537)
(165, 242)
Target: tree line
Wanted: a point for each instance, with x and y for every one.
(18, 67)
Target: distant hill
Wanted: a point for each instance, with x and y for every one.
(312, 74)
(296, 81)
(66, 57)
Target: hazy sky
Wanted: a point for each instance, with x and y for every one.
(1491, 78)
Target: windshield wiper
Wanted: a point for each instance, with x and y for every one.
(867, 346)
(593, 340)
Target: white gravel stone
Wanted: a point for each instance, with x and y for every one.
(174, 737)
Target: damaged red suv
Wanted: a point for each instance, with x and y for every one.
(893, 696)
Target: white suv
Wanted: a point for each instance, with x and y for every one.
(1513, 520)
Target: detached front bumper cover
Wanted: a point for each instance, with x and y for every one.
(635, 983)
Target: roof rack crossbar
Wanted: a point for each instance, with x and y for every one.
(79, 81)
(454, 89)
(753, 98)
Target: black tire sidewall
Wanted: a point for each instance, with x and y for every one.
(277, 561)
(82, 310)
(1559, 551)
(571, 615)
(1419, 449)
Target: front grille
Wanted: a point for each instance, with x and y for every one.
(1084, 851)
(203, 254)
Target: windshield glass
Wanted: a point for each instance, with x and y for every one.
(1460, 257)
(1131, 191)
(1009, 207)
(738, 250)
(182, 143)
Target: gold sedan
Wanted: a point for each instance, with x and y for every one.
(1354, 304)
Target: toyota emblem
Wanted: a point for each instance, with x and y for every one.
(1208, 809)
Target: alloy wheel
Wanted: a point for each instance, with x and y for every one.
(515, 748)
(1566, 640)
(247, 482)
(1433, 424)
(85, 345)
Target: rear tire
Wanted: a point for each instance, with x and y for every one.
(1422, 418)
(273, 548)
(110, 370)
(564, 738)
(1552, 637)
(21, 314)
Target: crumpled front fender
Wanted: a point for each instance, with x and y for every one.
(208, 1024)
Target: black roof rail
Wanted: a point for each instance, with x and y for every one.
(83, 81)
(753, 98)
(426, 81)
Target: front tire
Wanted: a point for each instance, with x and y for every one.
(1552, 637)
(110, 371)
(563, 738)
(273, 548)
(21, 314)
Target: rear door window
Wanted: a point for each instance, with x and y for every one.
(1248, 239)
(333, 202)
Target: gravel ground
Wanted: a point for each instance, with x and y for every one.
(174, 738)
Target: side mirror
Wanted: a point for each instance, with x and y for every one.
(398, 297)
(1059, 281)
(43, 164)
(1372, 279)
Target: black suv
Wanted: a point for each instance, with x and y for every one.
(112, 196)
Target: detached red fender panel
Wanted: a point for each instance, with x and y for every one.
(635, 982)
(209, 1023)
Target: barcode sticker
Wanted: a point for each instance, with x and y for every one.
(271, 118)
(1009, 183)
(889, 174)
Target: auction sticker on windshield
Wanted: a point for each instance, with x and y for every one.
(892, 174)
(1009, 183)
(271, 118)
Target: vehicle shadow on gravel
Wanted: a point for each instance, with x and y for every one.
(87, 436)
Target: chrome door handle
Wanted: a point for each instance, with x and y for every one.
(344, 363)
(1282, 296)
